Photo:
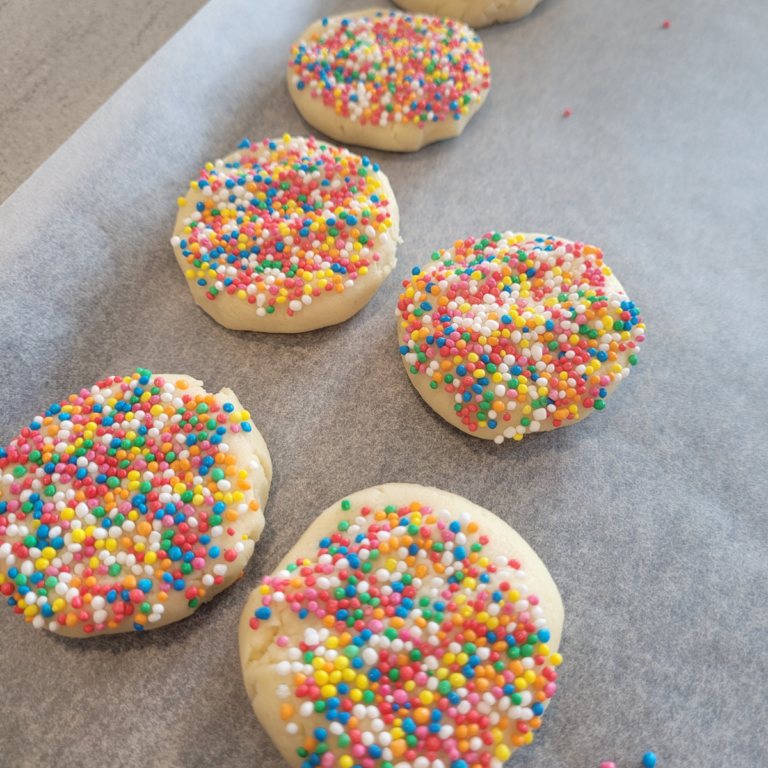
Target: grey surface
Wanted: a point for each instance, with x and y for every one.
(650, 515)
(62, 59)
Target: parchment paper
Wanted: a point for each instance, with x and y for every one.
(650, 515)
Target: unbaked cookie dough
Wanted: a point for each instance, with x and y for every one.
(407, 627)
(515, 333)
(388, 80)
(128, 504)
(476, 13)
(286, 235)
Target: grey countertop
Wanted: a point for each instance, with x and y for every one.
(62, 59)
(651, 515)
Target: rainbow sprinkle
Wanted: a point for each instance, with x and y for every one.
(523, 332)
(393, 68)
(418, 650)
(118, 499)
(284, 223)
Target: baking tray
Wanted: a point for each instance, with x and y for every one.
(650, 515)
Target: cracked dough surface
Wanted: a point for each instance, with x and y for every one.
(260, 653)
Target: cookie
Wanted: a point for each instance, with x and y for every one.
(286, 235)
(407, 627)
(128, 504)
(511, 333)
(476, 13)
(388, 80)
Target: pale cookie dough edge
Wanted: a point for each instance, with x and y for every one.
(246, 446)
(258, 672)
(238, 315)
(396, 137)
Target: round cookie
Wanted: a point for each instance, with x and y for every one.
(476, 13)
(128, 504)
(286, 235)
(515, 333)
(407, 627)
(388, 80)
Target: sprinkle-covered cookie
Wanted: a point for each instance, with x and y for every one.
(476, 13)
(408, 627)
(511, 333)
(286, 235)
(387, 79)
(126, 505)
